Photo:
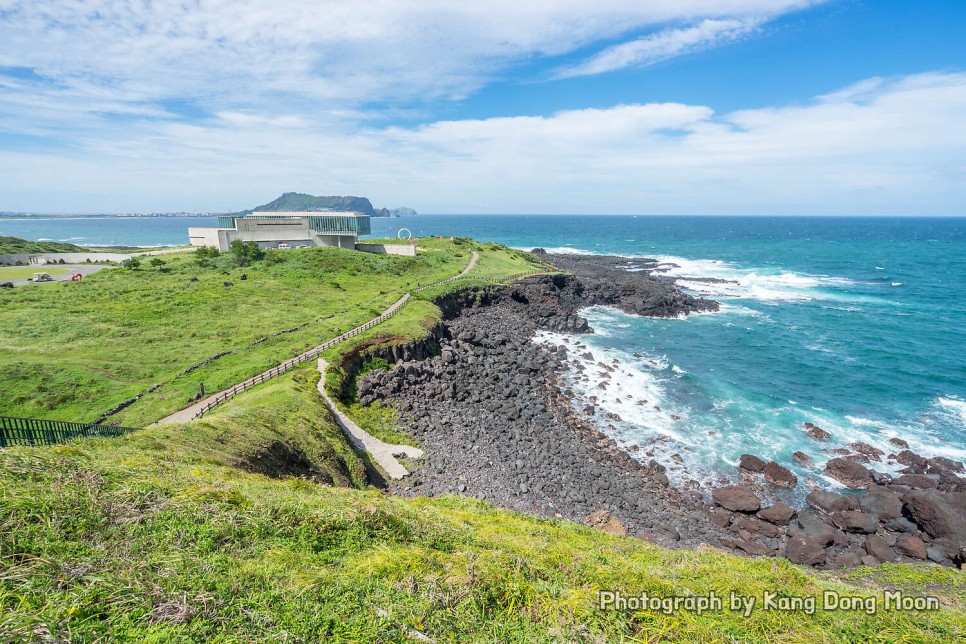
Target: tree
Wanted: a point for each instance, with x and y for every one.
(133, 263)
(157, 262)
(246, 252)
(206, 252)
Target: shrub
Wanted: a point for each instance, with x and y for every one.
(246, 252)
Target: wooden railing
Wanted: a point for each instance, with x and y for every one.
(37, 431)
(308, 355)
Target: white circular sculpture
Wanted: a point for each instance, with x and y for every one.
(409, 234)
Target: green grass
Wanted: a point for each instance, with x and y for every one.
(167, 535)
(27, 272)
(120, 332)
(17, 246)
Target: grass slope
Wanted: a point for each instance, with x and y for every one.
(76, 350)
(166, 535)
(17, 246)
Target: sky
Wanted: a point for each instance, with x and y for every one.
(779, 107)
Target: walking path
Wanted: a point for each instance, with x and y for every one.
(384, 454)
(202, 406)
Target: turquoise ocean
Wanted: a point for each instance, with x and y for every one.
(855, 324)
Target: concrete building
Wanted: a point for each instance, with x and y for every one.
(291, 229)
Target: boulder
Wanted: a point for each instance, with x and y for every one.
(816, 432)
(811, 524)
(846, 560)
(856, 521)
(878, 548)
(737, 498)
(780, 476)
(901, 524)
(873, 453)
(779, 514)
(606, 522)
(751, 463)
(849, 473)
(934, 516)
(806, 550)
(917, 481)
(912, 546)
(878, 501)
(936, 554)
(830, 501)
(802, 459)
(906, 457)
(756, 526)
(898, 442)
(943, 463)
(754, 548)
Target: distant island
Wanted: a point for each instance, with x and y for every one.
(298, 202)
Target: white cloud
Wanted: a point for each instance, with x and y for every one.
(664, 45)
(895, 146)
(259, 53)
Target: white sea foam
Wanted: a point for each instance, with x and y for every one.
(562, 250)
(749, 283)
(954, 407)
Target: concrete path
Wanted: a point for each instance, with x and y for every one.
(384, 454)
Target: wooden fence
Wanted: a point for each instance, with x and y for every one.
(37, 431)
(308, 355)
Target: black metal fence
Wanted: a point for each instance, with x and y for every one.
(37, 431)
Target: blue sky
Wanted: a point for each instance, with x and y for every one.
(691, 107)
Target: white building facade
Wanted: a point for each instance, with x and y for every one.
(288, 229)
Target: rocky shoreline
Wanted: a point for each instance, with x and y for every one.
(498, 422)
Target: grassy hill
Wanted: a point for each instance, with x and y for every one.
(251, 525)
(122, 331)
(17, 246)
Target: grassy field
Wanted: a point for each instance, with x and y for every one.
(118, 333)
(27, 272)
(248, 525)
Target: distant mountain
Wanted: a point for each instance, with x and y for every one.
(297, 202)
(402, 212)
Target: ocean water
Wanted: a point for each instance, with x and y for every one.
(855, 324)
(104, 230)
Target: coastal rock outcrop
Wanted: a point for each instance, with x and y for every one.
(849, 472)
(498, 423)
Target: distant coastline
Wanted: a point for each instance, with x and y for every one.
(30, 215)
